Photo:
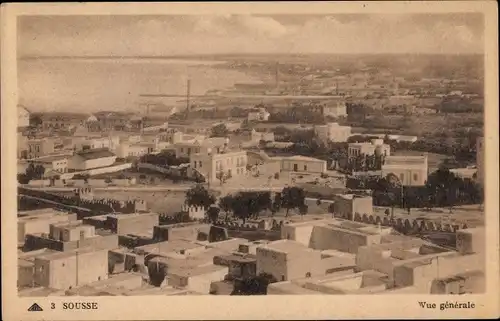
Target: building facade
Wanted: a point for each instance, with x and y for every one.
(303, 164)
(40, 147)
(410, 170)
(338, 109)
(93, 158)
(332, 132)
(215, 165)
(375, 147)
(287, 260)
(23, 117)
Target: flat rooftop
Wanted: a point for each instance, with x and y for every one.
(40, 292)
(167, 246)
(194, 271)
(62, 255)
(150, 290)
(286, 246)
(288, 287)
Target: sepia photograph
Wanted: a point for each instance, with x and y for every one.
(250, 154)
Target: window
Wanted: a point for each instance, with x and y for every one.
(200, 164)
(415, 177)
(82, 234)
(402, 177)
(63, 264)
(182, 150)
(305, 167)
(194, 164)
(308, 274)
(282, 278)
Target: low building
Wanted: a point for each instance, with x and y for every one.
(26, 267)
(347, 205)
(39, 221)
(386, 257)
(375, 147)
(410, 170)
(287, 260)
(303, 164)
(335, 109)
(68, 236)
(111, 142)
(198, 279)
(334, 234)
(132, 150)
(240, 265)
(22, 146)
(123, 224)
(345, 282)
(56, 164)
(208, 145)
(40, 147)
(23, 117)
(92, 158)
(123, 281)
(256, 136)
(332, 132)
(66, 270)
(260, 114)
(215, 166)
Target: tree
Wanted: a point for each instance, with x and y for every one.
(35, 171)
(292, 197)
(157, 275)
(256, 285)
(220, 130)
(276, 206)
(303, 209)
(331, 209)
(199, 196)
(442, 186)
(213, 214)
(225, 204)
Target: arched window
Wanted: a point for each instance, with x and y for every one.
(308, 274)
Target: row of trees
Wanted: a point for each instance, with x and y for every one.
(32, 172)
(246, 205)
(165, 158)
(443, 189)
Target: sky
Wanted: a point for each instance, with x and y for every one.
(239, 34)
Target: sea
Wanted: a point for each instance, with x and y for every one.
(94, 84)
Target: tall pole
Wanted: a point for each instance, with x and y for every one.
(188, 96)
(277, 80)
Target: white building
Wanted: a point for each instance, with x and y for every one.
(110, 142)
(332, 132)
(375, 147)
(338, 109)
(213, 144)
(127, 149)
(288, 260)
(23, 117)
(215, 165)
(260, 115)
(303, 164)
(258, 136)
(93, 158)
(410, 170)
(54, 164)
